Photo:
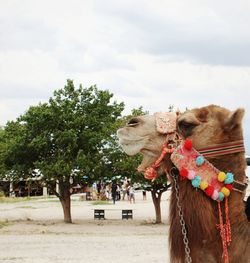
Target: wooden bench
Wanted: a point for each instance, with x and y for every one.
(99, 214)
(127, 214)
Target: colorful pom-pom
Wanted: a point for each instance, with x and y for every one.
(199, 160)
(221, 176)
(188, 145)
(196, 181)
(203, 185)
(209, 190)
(225, 191)
(183, 172)
(215, 195)
(220, 196)
(150, 173)
(229, 178)
(191, 174)
(229, 186)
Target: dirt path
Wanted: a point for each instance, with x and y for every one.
(35, 233)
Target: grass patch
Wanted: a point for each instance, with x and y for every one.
(27, 206)
(3, 224)
(100, 203)
(50, 201)
(14, 199)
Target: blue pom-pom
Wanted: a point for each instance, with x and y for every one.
(220, 196)
(196, 181)
(199, 160)
(229, 178)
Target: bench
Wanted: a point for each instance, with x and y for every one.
(127, 214)
(99, 214)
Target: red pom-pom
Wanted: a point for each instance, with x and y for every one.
(209, 190)
(229, 186)
(188, 145)
(150, 173)
(183, 172)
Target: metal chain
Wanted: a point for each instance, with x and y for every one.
(182, 221)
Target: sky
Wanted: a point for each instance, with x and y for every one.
(147, 53)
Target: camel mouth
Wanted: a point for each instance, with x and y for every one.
(148, 159)
(131, 147)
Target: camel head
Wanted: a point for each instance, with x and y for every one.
(205, 126)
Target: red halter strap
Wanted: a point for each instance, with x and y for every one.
(223, 148)
(151, 172)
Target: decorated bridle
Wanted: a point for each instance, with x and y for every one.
(192, 165)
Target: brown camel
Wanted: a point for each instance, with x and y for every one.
(205, 126)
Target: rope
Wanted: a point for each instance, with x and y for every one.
(225, 231)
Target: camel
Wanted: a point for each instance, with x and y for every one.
(210, 125)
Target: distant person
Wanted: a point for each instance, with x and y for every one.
(124, 190)
(114, 191)
(127, 189)
(131, 194)
(144, 195)
(98, 190)
(118, 192)
(107, 191)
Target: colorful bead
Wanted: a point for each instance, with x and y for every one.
(191, 174)
(209, 190)
(188, 145)
(229, 178)
(203, 185)
(225, 191)
(220, 196)
(196, 181)
(221, 176)
(215, 195)
(199, 160)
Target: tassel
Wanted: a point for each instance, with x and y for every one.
(223, 235)
(227, 226)
(151, 172)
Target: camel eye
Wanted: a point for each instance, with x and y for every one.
(133, 122)
(183, 125)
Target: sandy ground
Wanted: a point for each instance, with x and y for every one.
(33, 232)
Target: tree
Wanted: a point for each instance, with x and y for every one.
(64, 138)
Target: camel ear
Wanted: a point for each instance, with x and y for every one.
(235, 119)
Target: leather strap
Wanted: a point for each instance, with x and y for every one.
(223, 148)
(239, 187)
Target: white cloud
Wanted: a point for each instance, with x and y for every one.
(149, 53)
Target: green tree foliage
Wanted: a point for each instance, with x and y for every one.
(64, 138)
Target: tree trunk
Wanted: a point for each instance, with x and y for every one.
(29, 190)
(66, 202)
(156, 196)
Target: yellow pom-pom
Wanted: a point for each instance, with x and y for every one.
(221, 177)
(225, 191)
(203, 185)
